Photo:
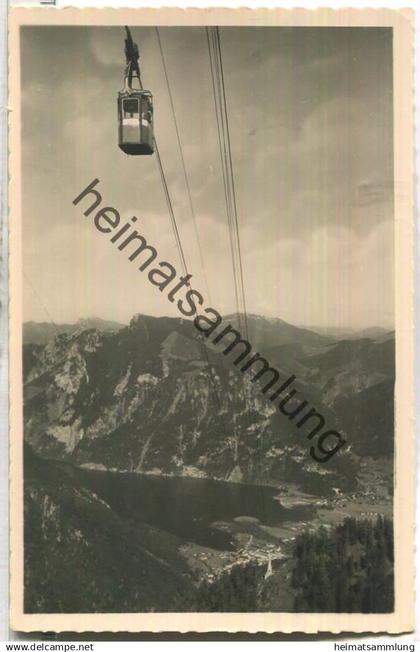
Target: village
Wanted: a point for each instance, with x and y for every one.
(211, 564)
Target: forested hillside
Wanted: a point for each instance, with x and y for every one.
(349, 569)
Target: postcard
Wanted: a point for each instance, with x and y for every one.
(211, 320)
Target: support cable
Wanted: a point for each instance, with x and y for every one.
(184, 167)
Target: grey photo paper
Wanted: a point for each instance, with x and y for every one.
(211, 348)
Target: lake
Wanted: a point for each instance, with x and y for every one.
(187, 507)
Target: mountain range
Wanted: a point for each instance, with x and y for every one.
(42, 332)
(190, 440)
(151, 397)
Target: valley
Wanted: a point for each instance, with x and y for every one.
(152, 468)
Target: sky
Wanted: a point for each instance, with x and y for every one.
(310, 113)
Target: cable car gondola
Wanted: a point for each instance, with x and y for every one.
(135, 108)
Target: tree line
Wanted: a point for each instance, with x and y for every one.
(349, 569)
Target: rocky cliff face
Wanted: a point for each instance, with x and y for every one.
(152, 398)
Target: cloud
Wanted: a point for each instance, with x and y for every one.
(310, 119)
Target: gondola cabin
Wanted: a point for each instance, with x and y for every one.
(135, 122)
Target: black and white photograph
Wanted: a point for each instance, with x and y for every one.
(211, 413)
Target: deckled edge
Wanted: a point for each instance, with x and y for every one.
(23, 622)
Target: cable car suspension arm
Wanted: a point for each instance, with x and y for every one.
(132, 56)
